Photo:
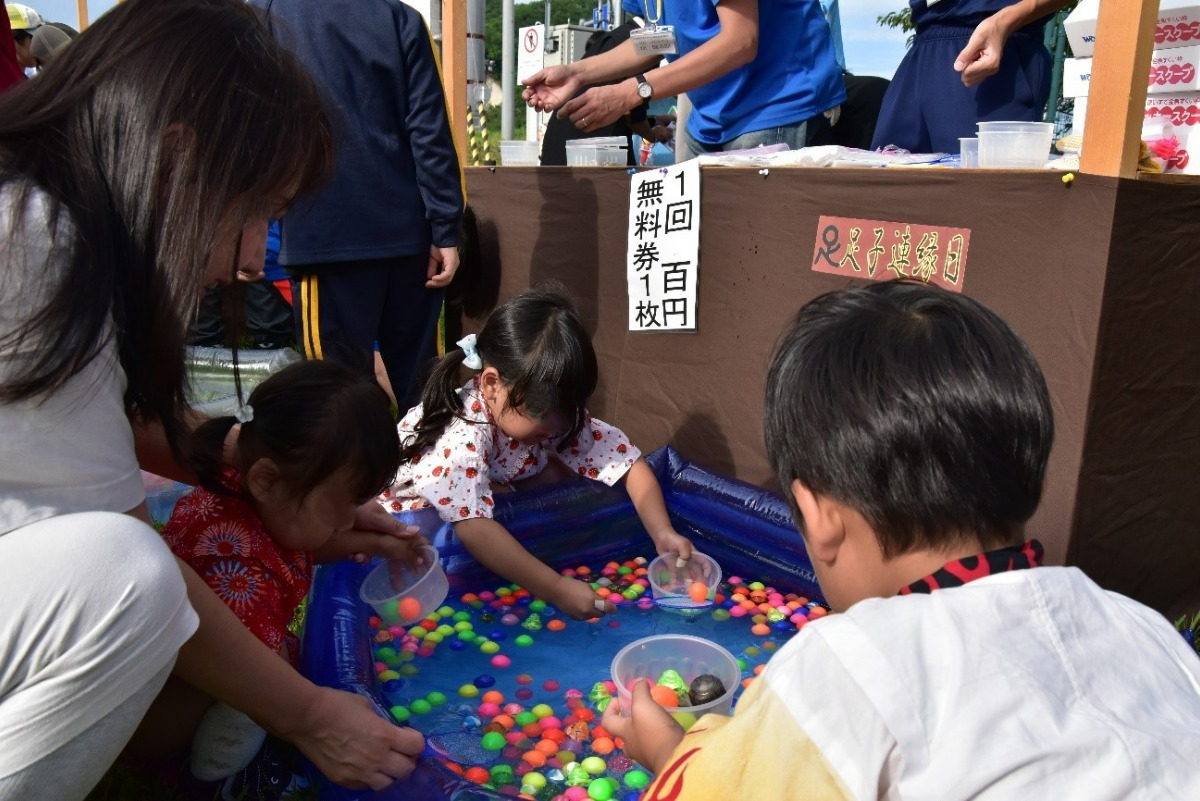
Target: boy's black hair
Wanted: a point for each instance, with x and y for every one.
(545, 358)
(312, 419)
(919, 408)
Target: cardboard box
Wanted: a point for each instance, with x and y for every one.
(1178, 116)
(1171, 72)
(1178, 26)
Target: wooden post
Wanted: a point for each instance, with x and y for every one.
(454, 69)
(1117, 93)
(81, 12)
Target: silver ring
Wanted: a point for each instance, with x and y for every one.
(583, 121)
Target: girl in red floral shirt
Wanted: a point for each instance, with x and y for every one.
(316, 441)
(522, 413)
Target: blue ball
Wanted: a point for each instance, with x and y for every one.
(457, 645)
(525, 601)
(484, 681)
(497, 636)
(393, 686)
(784, 625)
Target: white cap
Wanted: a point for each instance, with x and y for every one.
(23, 18)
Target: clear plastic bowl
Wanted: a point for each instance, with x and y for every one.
(519, 153)
(1015, 145)
(389, 587)
(597, 151)
(670, 583)
(690, 657)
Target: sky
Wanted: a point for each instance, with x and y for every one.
(869, 48)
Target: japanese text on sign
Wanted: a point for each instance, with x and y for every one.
(881, 251)
(664, 248)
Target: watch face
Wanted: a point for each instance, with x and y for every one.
(645, 90)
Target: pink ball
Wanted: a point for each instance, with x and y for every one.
(574, 693)
(576, 794)
(522, 768)
(551, 722)
(569, 573)
(737, 611)
(775, 600)
(513, 709)
(489, 710)
(524, 693)
(397, 631)
(735, 579)
(501, 661)
(611, 685)
(510, 619)
(487, 595)
(380, 667)
(425, 650)
(514, 737)
(550, 686)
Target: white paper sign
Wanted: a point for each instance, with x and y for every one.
(663, 259)
(531, 53)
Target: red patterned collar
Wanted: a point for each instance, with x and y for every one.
(969, 568)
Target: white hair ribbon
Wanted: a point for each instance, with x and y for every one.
(244, 413)
(470, 355)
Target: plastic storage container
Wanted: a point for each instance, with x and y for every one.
(690, 657)
(598, 151)
(519, 153)
(1015, 145)
(968, 152)
(401, 596)
(671, 583)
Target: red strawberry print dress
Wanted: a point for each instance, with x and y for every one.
(455, 474)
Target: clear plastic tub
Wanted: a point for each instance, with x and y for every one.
(401, 596)
(1015, 145)
(690, 657)
(968, 152)
(598, 151)
(671, 583)
(519, 153)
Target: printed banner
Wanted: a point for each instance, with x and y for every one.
(877, 250)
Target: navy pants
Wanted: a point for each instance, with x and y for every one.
(927, 108)
(344, 309)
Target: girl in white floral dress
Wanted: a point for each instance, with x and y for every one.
(523, 411)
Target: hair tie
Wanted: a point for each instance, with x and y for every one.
(244, 413)
(470, 354)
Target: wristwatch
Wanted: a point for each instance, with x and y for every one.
(644, 89)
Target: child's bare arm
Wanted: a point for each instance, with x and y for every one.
(647, 499)
(496, 549)
(649, 732)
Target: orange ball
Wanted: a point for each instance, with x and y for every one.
(664, 696)
(760, 629)
(603, 745)
(547, 747)
(556, 625)
(532, 731)
(410, 609)
(493, 697)
(478, 775)
(758, 669)
(698, 591)
(585, 714)
(535, 758)
(747, 682)
(504, 720)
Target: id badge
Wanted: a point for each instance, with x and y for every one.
(658, 41)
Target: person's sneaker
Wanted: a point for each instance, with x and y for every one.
(267, 777)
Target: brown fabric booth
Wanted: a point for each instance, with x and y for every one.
(1100, 276)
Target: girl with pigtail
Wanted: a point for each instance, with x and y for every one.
(316, 441)
(522, 412)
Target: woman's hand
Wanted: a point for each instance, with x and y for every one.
(375, 533)
(577, 600)
(650, 734)
(352, 745)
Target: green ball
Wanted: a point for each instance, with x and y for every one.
(436, 698)
(418, 632)
(467, 635)
(421, 707)
(637, 779)
(493, 741)
(630, 594)
(721, 615)
(594, 765)
(468, 691)
(400, 713)
(757, 585)
(742, 664)
(459, 617)
(600, 790)
(445, 629)
(385, 654)
(534, 779)
(434, 637)
(752, 650)
(536, 606)
(525, 718)
(624, 570)
(409, 670)
(445, 611)
(523, 639)
(490, 647)
(502, 775)
(542, 711)
(463, 625)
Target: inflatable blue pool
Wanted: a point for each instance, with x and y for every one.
(747, 530)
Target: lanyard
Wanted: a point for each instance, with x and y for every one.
(653, 20)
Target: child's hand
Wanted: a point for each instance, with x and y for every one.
(671, 541)
(576, 599)
(650, 733)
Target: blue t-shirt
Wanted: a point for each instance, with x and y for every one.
(794, 77)
(958, 13)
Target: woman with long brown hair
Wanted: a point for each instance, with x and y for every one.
(140, 167)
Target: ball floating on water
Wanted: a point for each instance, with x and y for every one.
(400, 713)
(501, 661)
(493, 741)
(420, 707)
(523, 640)
(468, 691)
(637, 779)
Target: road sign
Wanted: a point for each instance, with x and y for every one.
(530, 55)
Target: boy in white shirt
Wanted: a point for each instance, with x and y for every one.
(910, 427)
